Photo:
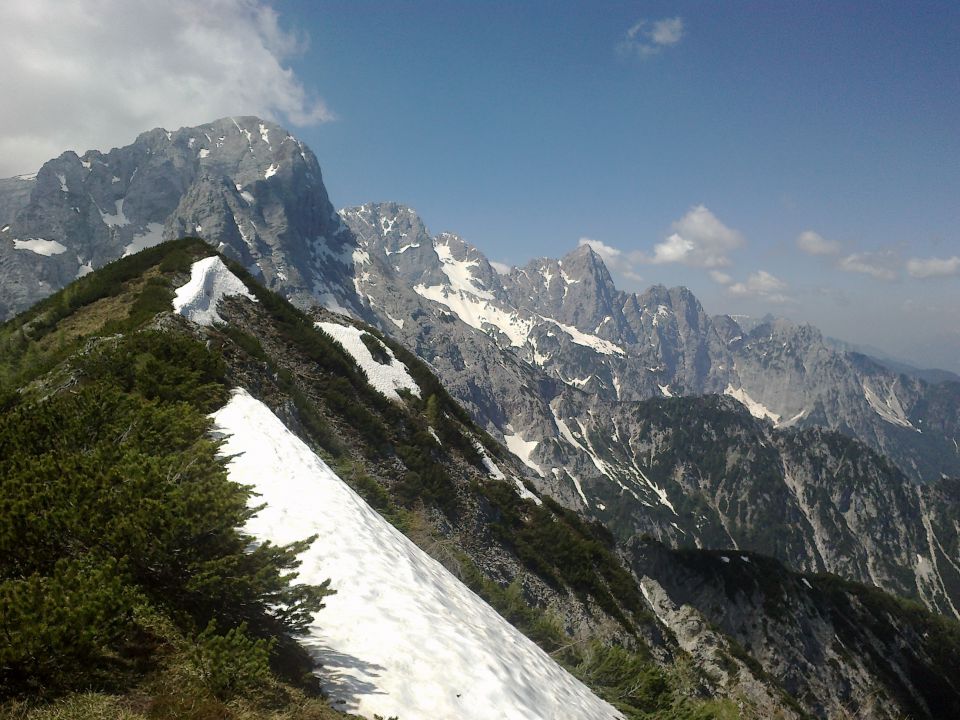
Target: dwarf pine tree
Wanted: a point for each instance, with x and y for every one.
(113, 497)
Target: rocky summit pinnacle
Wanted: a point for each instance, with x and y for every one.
(244, 184)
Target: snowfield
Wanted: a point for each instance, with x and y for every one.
(758, 410)
(402, 636)
(39, 246)
(386, 379)
(209, 281)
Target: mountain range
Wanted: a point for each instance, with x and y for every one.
(700, 443)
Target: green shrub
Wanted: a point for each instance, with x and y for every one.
(233, 663)
(56, 627)
(376, 348)
(116, 489)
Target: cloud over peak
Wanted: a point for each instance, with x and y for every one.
(698, 239)
(763, 285)
(610, 255)
(649, 37)
(118, 67)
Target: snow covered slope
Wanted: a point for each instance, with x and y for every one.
(402, 636)
(386, 378)
(209, 281)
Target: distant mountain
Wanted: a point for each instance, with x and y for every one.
(570, 327)
(929, 375)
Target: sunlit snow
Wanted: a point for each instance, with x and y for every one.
(402, 636)
(116, 218)
(209, 281)
(386, 379)
(477, 313)
(151, 235)
(459, 272)
(758, 410)
(40, 246)
(888, 407)
(522, 449)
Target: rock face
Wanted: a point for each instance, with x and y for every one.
(845, 650)
(578, 380)
(246, 185)
(573, 375)
(569, 324)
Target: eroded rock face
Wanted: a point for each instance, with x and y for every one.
(577, 378)
(569, 324)
(245, 185)
(846, 650)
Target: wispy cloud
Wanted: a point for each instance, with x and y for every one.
(761, 284)
(610, 255)
(699, 239)
(501, 268)
(650, 37)
(721, 278)
(923, 268)
(814, 244)
(881, 265)
(616, 260)
(116, 68)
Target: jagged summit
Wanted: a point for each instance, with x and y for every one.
(245, 185)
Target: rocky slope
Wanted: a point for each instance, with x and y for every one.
(827, 641)
(567, 321)
(567, 371)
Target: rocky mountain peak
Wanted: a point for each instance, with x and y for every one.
(244, 184)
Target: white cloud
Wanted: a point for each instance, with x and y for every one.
(699, 239)
(763, 285)
(721, 278)
(501, 268)
(617, 261)
(880, 265)
(94, 73)
(815, 244)
(649, 37)
(933, 267)
(610, 255)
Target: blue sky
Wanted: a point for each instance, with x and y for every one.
(795, 158)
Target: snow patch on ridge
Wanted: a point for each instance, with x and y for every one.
(151, 235)
(476, 313)
(889, 407)
(386, 379)
(117, 218)
(209, 281)
(591, 341)
(402, 635)
(459, 272)
(758, 410)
